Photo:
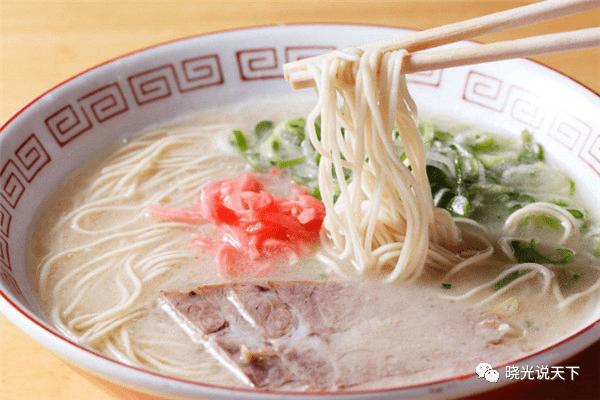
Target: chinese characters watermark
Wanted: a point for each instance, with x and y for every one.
(541, 372)
(528, 372)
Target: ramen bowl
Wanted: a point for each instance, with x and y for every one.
(63, 128)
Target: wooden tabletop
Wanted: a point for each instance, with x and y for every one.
(43, 43)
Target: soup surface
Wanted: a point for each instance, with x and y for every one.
(102, 261)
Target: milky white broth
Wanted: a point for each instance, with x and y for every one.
(98, 282)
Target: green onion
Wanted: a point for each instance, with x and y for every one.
(316, 193)
(494, 159)
(513, 206)
(509, 278)
(254, 160)
(240, 140)
(531, 152)
(427, 131)
(289, 163)
(442, 136)
(483, 142)
(318, 126)
(541, 220)
(262, 128)
(507, 308)
(446, 286)
(560, 203)
(525, 253)
(571, 186)
(575, 213)
(471, 174)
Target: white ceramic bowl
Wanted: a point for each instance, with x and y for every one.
(62, 128)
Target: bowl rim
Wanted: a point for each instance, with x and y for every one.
(25, 320)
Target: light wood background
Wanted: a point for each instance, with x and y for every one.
(43, 43)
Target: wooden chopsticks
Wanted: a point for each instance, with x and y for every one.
(297, 74)
(545, 44)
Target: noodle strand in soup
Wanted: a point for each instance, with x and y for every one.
(387, 203)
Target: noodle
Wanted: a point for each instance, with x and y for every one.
(571, 229)
(384, 219)
(550, 284)
(118, 247)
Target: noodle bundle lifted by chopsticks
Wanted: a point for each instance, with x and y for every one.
(383, 220)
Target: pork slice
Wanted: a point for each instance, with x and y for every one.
(314, 335)
(263, 309)
(210, 318)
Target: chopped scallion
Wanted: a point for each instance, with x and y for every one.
(509, 278)
(507, 308)
(240, 140)
(575, 213)
(541, 220)
(289, 163)
(525, 253)
(263, 127)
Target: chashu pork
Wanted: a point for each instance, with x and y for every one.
(315, 336)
